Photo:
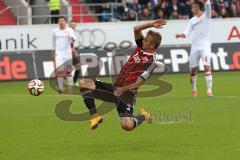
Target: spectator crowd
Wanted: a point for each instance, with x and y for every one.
(129, 10)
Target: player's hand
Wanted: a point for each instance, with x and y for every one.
(119, 91)
(159, 23)
(180, 36)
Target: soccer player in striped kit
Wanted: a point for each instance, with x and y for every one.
(135, 71)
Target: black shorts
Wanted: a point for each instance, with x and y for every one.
(124, 103)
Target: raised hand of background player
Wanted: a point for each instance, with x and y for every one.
(159, 23)
(180, 35)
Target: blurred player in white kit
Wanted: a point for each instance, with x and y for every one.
(63, 39)
(199, 26)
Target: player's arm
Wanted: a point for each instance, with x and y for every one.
(159, 23)
(141, 79)
(72, 38)
(187, 31)
(53, 47)
(208, 8)
(136, 84)
(53, 53)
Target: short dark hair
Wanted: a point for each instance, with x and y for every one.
(72, 21)
(199, 4)
(62, 17)
(156, 38)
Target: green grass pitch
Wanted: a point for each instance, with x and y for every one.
(30, 130)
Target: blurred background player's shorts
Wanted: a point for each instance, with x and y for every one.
(64, 63)
(197, 55)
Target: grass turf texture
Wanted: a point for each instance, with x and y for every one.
(29, 129)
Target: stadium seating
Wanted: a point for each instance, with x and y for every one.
(78, 10)
(167, 9)
(7, 17)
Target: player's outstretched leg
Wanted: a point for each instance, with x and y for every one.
(129, 123)
(87, 86)
(208, 78)
(193, 74)
(147, 116)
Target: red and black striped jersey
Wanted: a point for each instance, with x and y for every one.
(140, 64)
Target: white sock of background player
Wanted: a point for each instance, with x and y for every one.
(69, 80)
(208, 78)
(194, 82)
(60, 83)
(193, 73)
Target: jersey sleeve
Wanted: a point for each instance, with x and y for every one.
(188, 30)
(139, 42)
(208, 8)
(149, 68)
(71, 34)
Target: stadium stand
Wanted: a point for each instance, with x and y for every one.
(169, 9)
(77, 9)
(37, 11)
(6, 16)
(20, 10)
